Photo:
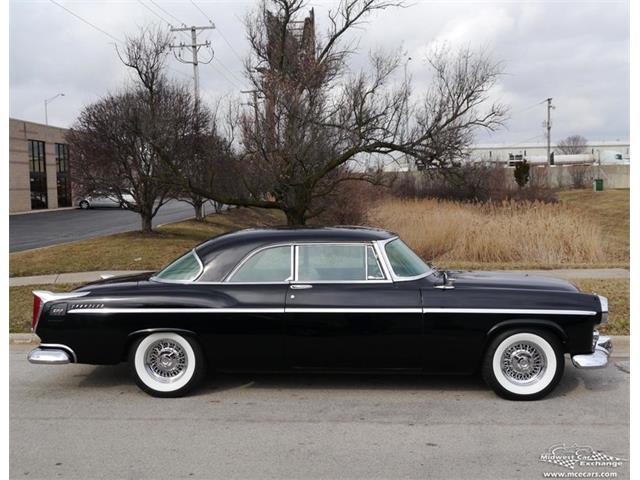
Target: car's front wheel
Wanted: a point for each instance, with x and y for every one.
(167, 364)
(84, 204)
(523, 364)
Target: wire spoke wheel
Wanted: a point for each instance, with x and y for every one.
(523, 363)
(166, 360)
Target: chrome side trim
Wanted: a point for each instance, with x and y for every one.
(336, 310)
(353, 310)
(67, 349)
(43, 356)
(523, 311)
(177, 310)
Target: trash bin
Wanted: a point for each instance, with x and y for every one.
(598, 184)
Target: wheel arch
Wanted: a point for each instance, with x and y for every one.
(536, 323)
(137, 334)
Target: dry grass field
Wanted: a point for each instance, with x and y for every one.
(587, 229)
(508, 233)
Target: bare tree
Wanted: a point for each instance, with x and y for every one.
(573, 145)
(123, 142)
(310, 117)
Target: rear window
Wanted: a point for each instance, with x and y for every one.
(187, 267)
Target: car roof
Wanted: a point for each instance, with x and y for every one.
(228, 249)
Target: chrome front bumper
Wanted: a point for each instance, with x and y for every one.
(58, 355)
(597, 359)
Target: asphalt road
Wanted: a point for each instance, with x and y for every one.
(78, 421)
(42, 229)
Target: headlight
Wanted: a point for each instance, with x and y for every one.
(604, 306)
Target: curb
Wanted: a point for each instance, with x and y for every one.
(620, 342)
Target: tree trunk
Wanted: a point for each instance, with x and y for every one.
(199, 208)
(295, 217)
(145, 218)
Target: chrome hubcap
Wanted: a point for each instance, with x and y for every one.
(523, 363)
(165, 360)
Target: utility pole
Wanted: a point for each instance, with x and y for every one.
(549, 107)
(255, 107)
(195, 48)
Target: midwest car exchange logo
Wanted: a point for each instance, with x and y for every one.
(579, 455)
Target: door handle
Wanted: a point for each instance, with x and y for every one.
(300, 286)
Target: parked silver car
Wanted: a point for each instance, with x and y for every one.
(105, 200)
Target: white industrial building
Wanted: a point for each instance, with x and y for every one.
(601, 153)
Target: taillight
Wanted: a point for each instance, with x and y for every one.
(37, 303)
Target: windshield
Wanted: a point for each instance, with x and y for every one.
(404, 262)
(186, 268)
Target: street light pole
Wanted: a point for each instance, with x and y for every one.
(47, 101)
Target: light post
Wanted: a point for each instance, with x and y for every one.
(47, 101)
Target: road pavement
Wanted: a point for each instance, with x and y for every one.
(83, 422)
(42, 229)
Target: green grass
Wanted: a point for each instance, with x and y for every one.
(135, 250)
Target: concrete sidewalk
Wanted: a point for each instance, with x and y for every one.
(79, 277)
(84, 277)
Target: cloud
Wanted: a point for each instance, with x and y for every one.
(575, 52)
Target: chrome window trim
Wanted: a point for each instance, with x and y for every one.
(396, 278)
(294, 263)
(195, 279)
(234, 270)
(364, 244)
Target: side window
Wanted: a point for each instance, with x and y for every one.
(326, 263)
(270, 265)
(374, 272)
(186, 267)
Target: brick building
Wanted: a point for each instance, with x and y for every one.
(38, 167)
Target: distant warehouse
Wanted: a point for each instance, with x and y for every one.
(39, 176)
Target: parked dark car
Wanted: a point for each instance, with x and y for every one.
(323, 299)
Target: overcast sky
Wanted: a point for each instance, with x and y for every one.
(574, 51)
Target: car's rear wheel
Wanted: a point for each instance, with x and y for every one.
(167, 364)
(84, 204)
(523, 364)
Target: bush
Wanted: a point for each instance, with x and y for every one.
(471, 182)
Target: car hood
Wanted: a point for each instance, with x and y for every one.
(508, 280)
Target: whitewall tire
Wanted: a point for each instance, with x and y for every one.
(523, 364)
(166, 364)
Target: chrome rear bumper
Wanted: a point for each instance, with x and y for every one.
(597, 359)
(51, 355)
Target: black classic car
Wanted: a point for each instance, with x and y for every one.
(323, 299)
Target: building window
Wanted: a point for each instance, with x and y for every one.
(62, 175)
(37, 175)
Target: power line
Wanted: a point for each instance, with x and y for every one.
(224, 76)
(86, 21)
(233, 50)
(168, 13)
(228, 70)
(154, 12)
